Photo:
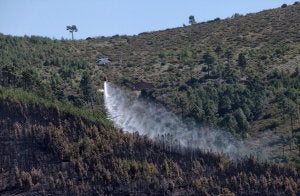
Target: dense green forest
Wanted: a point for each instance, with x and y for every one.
(241, 75)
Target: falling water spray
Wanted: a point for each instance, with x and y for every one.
(134, 114)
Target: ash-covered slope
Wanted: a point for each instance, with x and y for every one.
(45, 151)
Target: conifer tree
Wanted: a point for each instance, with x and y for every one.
(72, 29)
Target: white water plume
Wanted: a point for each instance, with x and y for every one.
(133, 114)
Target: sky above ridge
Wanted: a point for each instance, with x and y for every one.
(110, 17)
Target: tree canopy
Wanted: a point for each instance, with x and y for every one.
(72, 29)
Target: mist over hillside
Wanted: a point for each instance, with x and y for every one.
(136, 115)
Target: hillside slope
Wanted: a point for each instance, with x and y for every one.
(46, 151)
(240, 74)
(245, 67)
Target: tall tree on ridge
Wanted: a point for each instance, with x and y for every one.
(71, 29)
(192, 20)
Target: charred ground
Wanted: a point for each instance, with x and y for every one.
(59, 153)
